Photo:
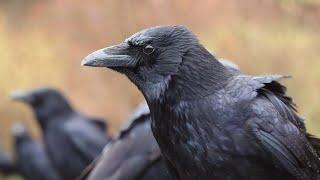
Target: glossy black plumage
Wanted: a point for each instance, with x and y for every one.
(31, 159)
(72, 140)
(212, 123)
(133, 154)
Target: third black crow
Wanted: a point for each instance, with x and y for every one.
(31, 158)
(7, 166)
(72, 140)
(133, 154)
(209, 122)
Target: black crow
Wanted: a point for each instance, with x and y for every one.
(133, 154)
(209, 122)
(72, 140)
(31, 158)
(7, 165)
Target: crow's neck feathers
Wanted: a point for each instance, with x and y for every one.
(199, 75)
(48, 116)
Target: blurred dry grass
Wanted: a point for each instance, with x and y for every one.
(42, 43)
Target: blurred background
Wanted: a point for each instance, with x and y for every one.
(43, 41)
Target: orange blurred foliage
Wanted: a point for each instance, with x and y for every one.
(43, 42)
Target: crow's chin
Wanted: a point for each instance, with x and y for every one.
(122, 70)
(129, 72)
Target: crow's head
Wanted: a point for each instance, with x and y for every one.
(47, 103)
(152, 57)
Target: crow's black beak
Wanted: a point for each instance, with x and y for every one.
(111, 57)
(21, 96)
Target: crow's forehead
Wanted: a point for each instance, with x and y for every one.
(139, 38)
(153, 33)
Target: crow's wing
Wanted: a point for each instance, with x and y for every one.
(87, 139)
(131, 154)
(129, 168)
(278, 128)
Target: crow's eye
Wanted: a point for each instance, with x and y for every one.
(148, 49)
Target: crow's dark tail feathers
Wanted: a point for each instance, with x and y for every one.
(276, 93)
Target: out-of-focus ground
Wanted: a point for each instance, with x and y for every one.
(43, 42)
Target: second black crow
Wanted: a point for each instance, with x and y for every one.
(31, 158)
(71, 139)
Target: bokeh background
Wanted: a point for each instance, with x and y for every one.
(43, 41)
